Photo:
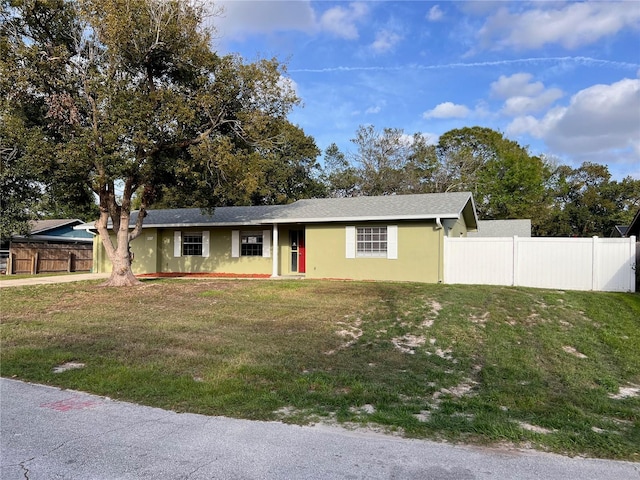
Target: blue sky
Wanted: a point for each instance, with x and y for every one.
(562, 78)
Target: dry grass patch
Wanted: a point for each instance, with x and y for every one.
(471, 364)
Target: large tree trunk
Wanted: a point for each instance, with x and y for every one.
(121, 274)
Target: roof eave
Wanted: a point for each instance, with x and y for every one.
(64, 224)
(367, 218)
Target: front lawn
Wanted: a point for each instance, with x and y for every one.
(559, 371)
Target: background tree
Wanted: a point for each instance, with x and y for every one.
(586, 202)
(20, 191)
(132, 99)
(507, 182)
(385, 162)
(239, 173)
(340, 178)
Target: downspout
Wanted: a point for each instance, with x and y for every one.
(440, 242)
(275, 252)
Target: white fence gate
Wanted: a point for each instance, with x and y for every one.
(605, 264)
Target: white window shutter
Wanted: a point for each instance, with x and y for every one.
(392, 242)
(205, 243)
(177, 243)
(235, 243)
(266, 243)
(351, 241)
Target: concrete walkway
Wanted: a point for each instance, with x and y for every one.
(52, 433)
(35, 280)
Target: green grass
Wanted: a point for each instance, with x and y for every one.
(486, 365)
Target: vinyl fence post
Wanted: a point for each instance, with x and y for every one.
(634, 264)
(514, 274)
(594, 263)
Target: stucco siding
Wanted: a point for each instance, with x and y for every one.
(419, 254)
(459, 229)
(218, 261)
(145, 252)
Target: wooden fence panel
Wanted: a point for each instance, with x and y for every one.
(51, 258)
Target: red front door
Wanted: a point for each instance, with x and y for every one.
(302, 267)
(298, 251)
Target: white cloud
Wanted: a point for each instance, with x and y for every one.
(287, 84)
(241, 18)
(373, 110)
(341, 21)
(435, 14)
(598, 119)
(520, 105)
(385, 41)
(571, 25)
(447, 110)
(516, 84)
(430, 138)
(523, 96)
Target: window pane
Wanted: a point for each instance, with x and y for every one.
(192, 244)
(251, 244)
(371, 241)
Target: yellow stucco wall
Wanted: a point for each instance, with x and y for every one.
(419, 254)
(457, 228)
(153, 252)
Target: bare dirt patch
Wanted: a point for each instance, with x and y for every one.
(573, 351)
(408, 343)
(479, 319)
(68, 366)
(462, 389)
(626, 392)
(534, 428)
(351, 333)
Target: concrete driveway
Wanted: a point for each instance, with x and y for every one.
(35, 280)
(49, 433)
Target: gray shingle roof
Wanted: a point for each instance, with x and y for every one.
(384, 208)
(445, 205)
(502, 228)
(39, 226)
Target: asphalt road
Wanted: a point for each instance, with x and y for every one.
(48, 433)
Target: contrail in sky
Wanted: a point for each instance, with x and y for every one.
(585, 61)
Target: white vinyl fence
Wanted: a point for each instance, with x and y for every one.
(604, 264)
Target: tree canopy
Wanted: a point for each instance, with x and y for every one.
(506, 180)
(128, 98)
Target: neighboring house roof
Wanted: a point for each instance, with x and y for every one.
(502, 228)
(352, 209)
(619, 231)
(54, 230)
(42, 226)
(634, 227)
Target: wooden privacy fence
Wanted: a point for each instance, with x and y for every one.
(33, 258)
(604, 264)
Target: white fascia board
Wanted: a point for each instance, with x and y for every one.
(200, 225)
(373, 218)
(271, 221)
